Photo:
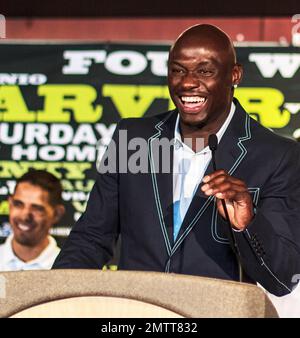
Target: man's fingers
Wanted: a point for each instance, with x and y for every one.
(229, 195)
(234, 192)
(222, 180)
(220, 176)
(227, 189)
(211, 176)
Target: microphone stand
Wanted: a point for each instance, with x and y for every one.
(213, 144)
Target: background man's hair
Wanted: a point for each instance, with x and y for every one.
(46, 181)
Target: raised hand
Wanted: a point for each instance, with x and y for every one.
(236, 195)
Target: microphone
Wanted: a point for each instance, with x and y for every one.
(213, 146)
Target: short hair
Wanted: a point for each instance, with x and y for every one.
(46, 181)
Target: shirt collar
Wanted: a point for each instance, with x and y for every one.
(9, 255)
(178, 139)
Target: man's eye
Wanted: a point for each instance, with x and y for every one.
(177, 71)
(17, 204)
(38, 208)
(205, 71)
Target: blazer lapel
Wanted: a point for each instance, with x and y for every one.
(230, 153)
(162, 178)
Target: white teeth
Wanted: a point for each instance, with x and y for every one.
(23, 227)
(194, 99)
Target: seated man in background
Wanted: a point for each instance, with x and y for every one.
(35, 206)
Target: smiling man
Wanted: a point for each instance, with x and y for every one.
(34, 208)
(174, 221)
(202, 73)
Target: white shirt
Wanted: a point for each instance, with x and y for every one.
(287, 306)
(189, 168)
(10, 262)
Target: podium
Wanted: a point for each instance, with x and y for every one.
(127, 294)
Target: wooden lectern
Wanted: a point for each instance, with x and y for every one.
(127, 294)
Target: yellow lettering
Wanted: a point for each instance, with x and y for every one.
(67, 185)
(110, 267)
(73, 170)
(133, 100)
(10, 169)
(4, 210)
(264, 104)
(85, 187)
(61, 99)
(78, 185)
(79, 206)
(13, 107)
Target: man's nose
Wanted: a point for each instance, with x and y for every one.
(190, 80)
(26, 214)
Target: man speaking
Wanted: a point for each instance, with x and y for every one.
(221, 208)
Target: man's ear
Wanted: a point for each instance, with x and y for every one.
(59, 212)
(237, 74)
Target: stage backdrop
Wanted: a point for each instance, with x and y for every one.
(59, 104)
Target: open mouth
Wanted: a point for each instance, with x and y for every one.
(24, 227)
(193, 103)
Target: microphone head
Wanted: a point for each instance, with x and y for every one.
(213, 142)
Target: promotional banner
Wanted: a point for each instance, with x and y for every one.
(59, 105)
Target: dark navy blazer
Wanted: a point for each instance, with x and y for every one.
(140, 208)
